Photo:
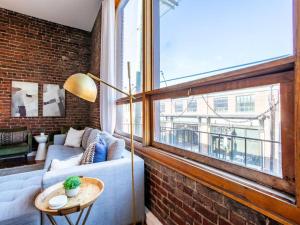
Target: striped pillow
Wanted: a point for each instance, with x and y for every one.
(86, 134)
(88, 155)
(13, 137)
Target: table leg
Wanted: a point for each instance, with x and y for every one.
(52, 220)
(79, 217)
(68, 219)
(87, 214)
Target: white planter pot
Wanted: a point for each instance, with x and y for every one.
(72, 192)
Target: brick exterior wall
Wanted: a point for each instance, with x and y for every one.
(176, 199)
(94, 112)
(35, 50)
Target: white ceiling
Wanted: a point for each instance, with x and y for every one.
(79, 14)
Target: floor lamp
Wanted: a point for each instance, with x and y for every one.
(84, 86)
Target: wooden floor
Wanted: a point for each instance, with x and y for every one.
(18, 161)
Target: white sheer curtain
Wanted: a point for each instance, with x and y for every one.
(107, 67)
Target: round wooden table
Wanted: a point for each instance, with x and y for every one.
(90, 190)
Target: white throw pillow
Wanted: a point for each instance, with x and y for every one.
(57, 164)
(74, 138)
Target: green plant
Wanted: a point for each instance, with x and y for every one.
(72, 183)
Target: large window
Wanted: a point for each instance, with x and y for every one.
(219, 87)
(129, 50)
(197, 39)
(217, 83)
(249, 141)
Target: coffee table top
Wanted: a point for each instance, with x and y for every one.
(90, 190)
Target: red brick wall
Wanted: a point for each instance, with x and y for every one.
(38, 51)
(176, 199)
(94, 113)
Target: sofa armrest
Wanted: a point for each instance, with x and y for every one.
(59, 139)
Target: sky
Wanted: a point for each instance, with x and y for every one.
(203, 35)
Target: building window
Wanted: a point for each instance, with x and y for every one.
(192, 105)
(245, 103)
(178, 106)
(221, 104)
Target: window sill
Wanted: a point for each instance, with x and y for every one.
(274, 204)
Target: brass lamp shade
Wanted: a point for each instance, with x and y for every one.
(82, 86)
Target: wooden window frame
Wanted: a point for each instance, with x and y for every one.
(277, 71)
(286, 80)
(283, 211)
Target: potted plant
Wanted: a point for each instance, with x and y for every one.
(72, 186)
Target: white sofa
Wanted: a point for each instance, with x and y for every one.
(114, 205)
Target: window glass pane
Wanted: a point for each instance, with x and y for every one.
(192, 105)
(123, 119)
(251, 139)
(245, 103)
(196, 39)
(221, 104)
(131, 46)
(178, 106)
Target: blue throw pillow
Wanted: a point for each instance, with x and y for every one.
(100, 151)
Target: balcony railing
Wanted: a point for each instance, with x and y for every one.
(259, 154)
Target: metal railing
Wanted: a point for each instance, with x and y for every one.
(249, 152)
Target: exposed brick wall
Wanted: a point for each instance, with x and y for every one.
(38, 51)
(176, 199)
(94, 113)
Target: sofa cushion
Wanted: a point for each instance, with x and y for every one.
(100, 151)
(116, 149)
(60, 152)
(116, 146)
(57, 164)
(89, 152)
(74, 138)
(86, 134)
(14, 149)
(94, 137)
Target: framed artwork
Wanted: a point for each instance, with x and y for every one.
(24, 99)
(53, 100)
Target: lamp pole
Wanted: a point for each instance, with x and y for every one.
(131, 144)
(83, 86)
(131, 97)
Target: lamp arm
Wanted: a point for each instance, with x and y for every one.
(113, 87)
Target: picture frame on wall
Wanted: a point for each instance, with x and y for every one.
(24, 99)
(53, 100)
